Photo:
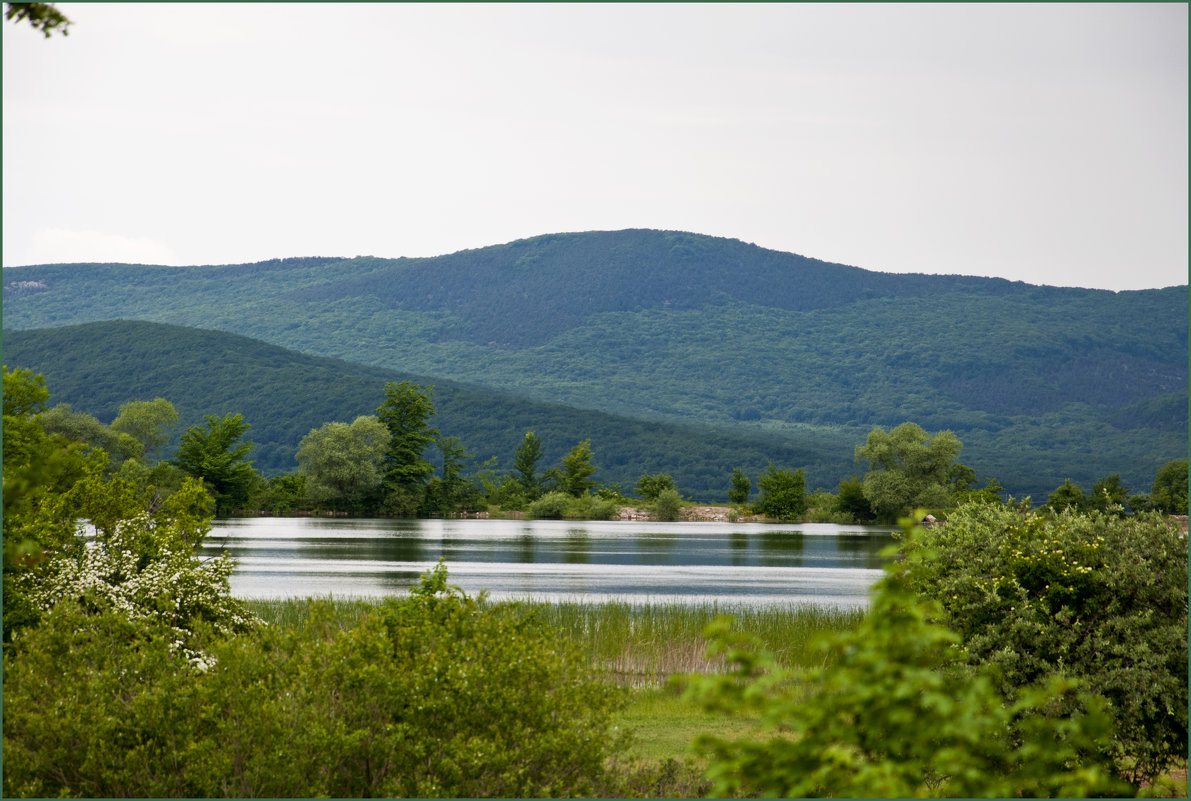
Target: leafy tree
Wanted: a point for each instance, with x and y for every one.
(344, 463)
(1169, 493)
(783, 493)
(651, 486)
(42, 16)
(991, 492)
(87, 430)
(1108, 493)
(891, 714)
(283, 493)
(850, 500)
(452, 493)
(740, 487)
(577, 470)
(525, 465)
(1068, 495)
(213, 452)
(149, 422)
(908, 468)
(1093, 597)
(406, 412)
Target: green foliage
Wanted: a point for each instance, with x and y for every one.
(525, 465)
(1068, 496)
(1169, 493)
(667, 506)
(557, 505)
(739, 487)
(344, 463)
(1093, 597)
(909, 468)
(651, 486)
(432, 695)
(84, 429)
(893, 716)
(406, 412)
(42, 16)
(282, 494)
(783, 493)
(216, 456)
(577, 469)
(150, 423)
(850, 500)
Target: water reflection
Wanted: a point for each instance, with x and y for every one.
(741, 563)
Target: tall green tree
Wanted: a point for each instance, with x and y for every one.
(214, 453)
(85, 429)
(406, 412)
(151, 423)
(908, 468)
(740, 487)
(783, 493)
(577, 470)
(448, 493)
(525, 466)
(1068, 495)
(1169, 493)
(344, 464)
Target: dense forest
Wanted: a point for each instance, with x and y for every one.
(1041, 383)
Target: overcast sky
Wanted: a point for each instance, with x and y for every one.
(1044, 143)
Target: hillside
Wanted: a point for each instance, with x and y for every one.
(1041, 383)
(96, 367)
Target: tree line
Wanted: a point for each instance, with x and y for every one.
(395, 463)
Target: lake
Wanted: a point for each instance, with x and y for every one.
(751, 564)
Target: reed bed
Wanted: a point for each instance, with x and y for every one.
(639, 644)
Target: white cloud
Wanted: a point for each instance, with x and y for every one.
(62, 246)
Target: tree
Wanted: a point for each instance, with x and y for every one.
(212, 452)
(850, 500)
(1108, 492)
(344, 463)
(908, 469)
(740, 487)
(450, 492)
(149, 422)
(651, 486)
(577, 470)
(783, 493)
(42, 16)
(406, 412)
(1068, 495)
(85, 429)
(525, 465)
(1169, 493)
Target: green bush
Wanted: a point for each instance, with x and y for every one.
(668, 505)
(433, 695)
(891, 714)
(559, 505)
(1091, 596)
(551, 506)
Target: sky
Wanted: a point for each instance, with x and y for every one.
(1035, 142)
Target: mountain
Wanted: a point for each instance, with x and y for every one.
(1040, 383)
(96, 367)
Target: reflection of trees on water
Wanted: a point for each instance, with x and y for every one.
(780, 548)
(525, 549)
(656, 549)
(373, 549)
(740, 548)
(859, 550)
(576, 547)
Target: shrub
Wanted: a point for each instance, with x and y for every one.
(1092, 596)
(890, 715)
(668, 505)
(551, 506)
(436, 694)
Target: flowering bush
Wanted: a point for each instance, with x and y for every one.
(1093, 596)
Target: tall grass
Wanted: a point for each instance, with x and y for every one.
(639, 644)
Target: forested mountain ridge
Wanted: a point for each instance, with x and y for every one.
(97, 367)
(1041, 383)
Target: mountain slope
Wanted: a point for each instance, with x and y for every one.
(96, 367)
(1041, 383)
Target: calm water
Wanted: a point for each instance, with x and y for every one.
(729, 563)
